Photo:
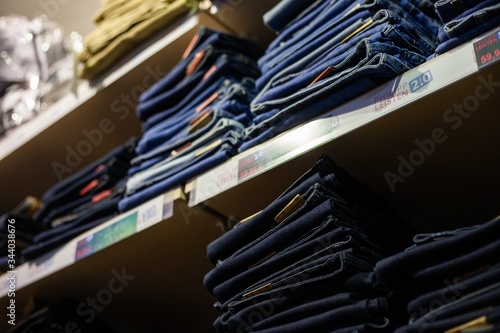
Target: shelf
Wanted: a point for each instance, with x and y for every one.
(104, 107)
(454, 184)
(161, 243)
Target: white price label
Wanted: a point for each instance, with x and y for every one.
(150, 213)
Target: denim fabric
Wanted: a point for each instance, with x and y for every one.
(178, 130)
(486, 297)
(225, 66)
(443, 325)
(212, 44)
(183, 173)
(386, 28)
(283, 13)
(105, 207)
(336, 180)
(453, 267)
(448, 10)
(336, 239)
(308, 309)
(338, 269)
(107, 170)
(404, 9)
(365, 311)
(481, 12)
(244, 233)
(423, 303)
(159, 120)
(461, 30)
(343, 291)
(397, 271)
(365, 69)
(232, 99)
(310, 23)
(170, 165)
(311, 214)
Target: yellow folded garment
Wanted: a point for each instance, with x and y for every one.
(111, 9)
(109, 30)
(156, 18)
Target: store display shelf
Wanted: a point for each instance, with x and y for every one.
(101, 237)
(133, 243)
(80, 128)
(388, 125)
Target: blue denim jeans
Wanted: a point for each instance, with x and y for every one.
(203, 162)
(386, 28)
(208, 44)
(397, 271)
(335, 180)
(103, 173)
(278, 17)
(334, 14)
(450, 291)
(311, 214)
(170, 165)
(365, 312)
(337, 239)
(448, 10)
(232, 99)
(170, 102)
(369, 65)
(244, 233)
(472, 24)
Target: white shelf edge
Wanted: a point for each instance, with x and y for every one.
(445, 70)
(150, 213)
(18, 137)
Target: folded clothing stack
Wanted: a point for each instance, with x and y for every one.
(448, 281)
(305, 262)
(121, 26)
(194, 116)
(462, 20)
(332, 51)
(78, 203)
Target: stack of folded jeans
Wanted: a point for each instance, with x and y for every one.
(193, 117)
(305, 262)
(334, 51)
(448, 281)
(78, 203)
(121, 25)
(465, 19)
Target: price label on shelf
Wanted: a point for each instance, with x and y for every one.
(251, 164)
(150, 213)
(487, 49)
(103, 238)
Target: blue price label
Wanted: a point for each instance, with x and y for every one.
(421, 81)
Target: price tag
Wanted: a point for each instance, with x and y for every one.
(168, 205)
(214, 182)
(150, 213)
(252, 164)
(103, 238)
(487, 49)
